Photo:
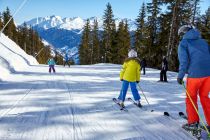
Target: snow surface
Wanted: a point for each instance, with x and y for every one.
(76, 103)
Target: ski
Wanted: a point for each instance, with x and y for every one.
(121, 108)
(130, 99)
(182, 115)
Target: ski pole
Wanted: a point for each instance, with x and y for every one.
(196, 109)
(145, 97)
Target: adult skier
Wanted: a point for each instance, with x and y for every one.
(143, 65)
(51, 63)
(164, 69)
(194, 59)
(130, 75)
(66, 60)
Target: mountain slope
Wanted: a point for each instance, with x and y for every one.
(64, 34)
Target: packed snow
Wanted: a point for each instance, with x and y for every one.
(76, 102)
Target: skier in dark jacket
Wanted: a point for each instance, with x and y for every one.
(66, 60)
(164, 69)
(143, 65)
(194, 59)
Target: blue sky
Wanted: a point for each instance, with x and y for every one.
(74, 8)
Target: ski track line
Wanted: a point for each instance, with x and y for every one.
(15, 104)
(72, 110)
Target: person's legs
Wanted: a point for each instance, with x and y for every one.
(134, 91)
(144, 70)
(49, 68)
(53, 68)
(165, 76)
(204, 93)
(123, 91)
(161, 75)
(193, 85)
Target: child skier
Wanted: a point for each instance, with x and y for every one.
(130, 74)
(51, 64)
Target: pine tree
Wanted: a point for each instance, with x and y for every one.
(10, 29)
(153, 9)
(195, 11)
(85, 46)
(204, 25)
(140, 33)
(108, 34)
(127, 42)
(181, 12)
(96, 43)
(122, 43)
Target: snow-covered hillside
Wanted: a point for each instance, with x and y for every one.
(12, 57)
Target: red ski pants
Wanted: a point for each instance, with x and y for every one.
(201, 87)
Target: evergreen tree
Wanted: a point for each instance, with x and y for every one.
(181, 13)
(108, 34)
(204, 25)
(140, 33)
(10, 29)
(122, 43)
(96, 44)
(195, 11)
(85, 46)
(153, 9)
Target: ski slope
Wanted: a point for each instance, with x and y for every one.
(76, 103)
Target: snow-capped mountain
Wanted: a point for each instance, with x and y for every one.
(75, 23)
(66, 32)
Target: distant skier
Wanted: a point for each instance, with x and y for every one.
(143, 65)
(130, 74)
(66, 60)
(51, 64)
(164, 69)
(194, 59)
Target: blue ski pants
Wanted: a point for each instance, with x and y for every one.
(124, 90)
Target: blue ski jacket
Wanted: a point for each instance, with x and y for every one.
(194, 56)
(51, 62)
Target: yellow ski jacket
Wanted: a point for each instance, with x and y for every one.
(130, 70)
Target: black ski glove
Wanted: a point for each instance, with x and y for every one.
(137, 81)
(180, 81)
(121, 79)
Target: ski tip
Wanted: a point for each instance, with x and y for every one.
(181, 113)
(114, 99)
(166, 114)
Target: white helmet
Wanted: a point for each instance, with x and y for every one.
(183, 29)
(132, 53)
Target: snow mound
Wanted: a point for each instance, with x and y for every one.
(12, 57)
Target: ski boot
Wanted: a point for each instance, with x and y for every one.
(122, 104)
(193, 128)
(138, 103)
